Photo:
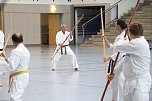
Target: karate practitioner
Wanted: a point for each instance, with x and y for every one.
(1, 48)
(65, 49)
(18, 64)
(135, 65)
(117, 83)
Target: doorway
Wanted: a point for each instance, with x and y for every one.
(90, 28)
(50, 25)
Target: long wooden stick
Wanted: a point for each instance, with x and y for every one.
(67, 37)
(6, 42)
(108, 82)
(8, 37)
(104, 46)
(112, 69)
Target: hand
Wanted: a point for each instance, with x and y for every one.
(71, 35)
(2, 54)
(110, 77)
(106, 41)
(102, 36)
(107, 59)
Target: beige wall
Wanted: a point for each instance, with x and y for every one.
(122, 8)
(56, 1)
(26, 20)
(25, 23)
(108, 14)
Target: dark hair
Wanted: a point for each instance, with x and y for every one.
(122, 24)
(136, 28)
(17, 38)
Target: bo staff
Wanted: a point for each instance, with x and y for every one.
(71, 33)
(104, 46)
(6, 42)
(112, 69)
(8, 37)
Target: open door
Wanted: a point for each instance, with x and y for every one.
(54, 27)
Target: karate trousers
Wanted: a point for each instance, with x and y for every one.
(117, 87)
(58, 56)
(137, 89)
(18, 85)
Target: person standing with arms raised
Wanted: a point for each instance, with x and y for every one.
(135, 65)
(117, 83)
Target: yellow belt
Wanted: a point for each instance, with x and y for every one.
(15, 74)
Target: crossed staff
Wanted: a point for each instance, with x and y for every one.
(67, 37)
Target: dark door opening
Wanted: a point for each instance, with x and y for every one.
(44, 29)
(50, 25)
(92, 27)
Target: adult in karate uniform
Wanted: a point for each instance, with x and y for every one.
(135, 65)
(117, 83)
(65, 49)
(18, 64)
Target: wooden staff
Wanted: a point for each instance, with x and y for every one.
(67, 37)
(112, 69)
(104, 46)
(9, 35)
(6, 42)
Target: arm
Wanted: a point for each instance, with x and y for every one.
(3, 55)
(3, 62)
(118, 42)
(117, 70)
(107, 58)
(107, 42)
(70, 38)
(113, 56)
(119, 67)
(13, 61)
(125, 47)
(3, 41)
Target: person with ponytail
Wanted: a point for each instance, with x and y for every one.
(117, 82)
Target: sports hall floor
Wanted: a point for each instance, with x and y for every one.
(64, 84)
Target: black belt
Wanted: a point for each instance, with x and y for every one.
(111, 63)
(1, 49)
(65, 49)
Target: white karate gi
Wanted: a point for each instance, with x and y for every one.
(136, 67)
(60, 37)
(18, 61)
(1, 39)
(117, 82)
(1, 58)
